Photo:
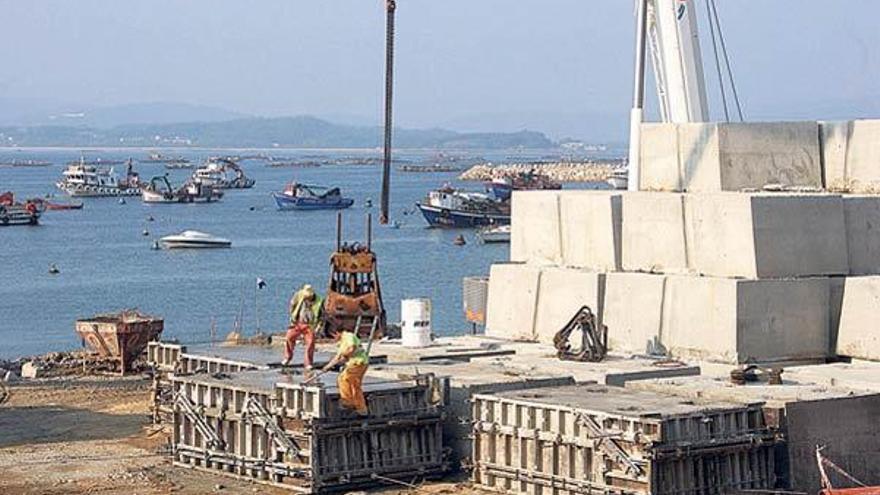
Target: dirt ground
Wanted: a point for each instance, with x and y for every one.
(92, 435)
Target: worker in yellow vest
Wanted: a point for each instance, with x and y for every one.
(351, 380)
(305, 319)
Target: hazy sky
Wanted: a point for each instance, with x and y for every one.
(513, 62)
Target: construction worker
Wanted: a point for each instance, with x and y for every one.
(351, 380)
(305, 318)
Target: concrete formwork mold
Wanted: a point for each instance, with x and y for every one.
(591, 229)
(597, 439)
(858, 335)
(273, 428)
(512, 301)
(803, 415)
(562, 292)
(633, 312)
(766, 235)
(734, 320)
(709, 157)
(862, 216)
(535, 228)
(654, 239)
(862, 169)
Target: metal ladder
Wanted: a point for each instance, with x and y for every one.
(257, 413)
(201, 424)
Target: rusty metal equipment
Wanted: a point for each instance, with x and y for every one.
(475, 294)
(120, 337)
(354, 296)
(594, 338)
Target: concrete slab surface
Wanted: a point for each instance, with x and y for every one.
(858, 334)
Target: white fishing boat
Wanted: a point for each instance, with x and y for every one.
(216, 173)
(619, 180)
(82, 179)
(193, 239)
(497, 234)
(159, 190)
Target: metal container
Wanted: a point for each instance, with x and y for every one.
(598, 439)
(119, 336)
(415, 322)
(274, 428)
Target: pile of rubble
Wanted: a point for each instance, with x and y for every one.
(55, 364)
(582, 171)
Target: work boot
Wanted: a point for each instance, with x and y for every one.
(286, 362)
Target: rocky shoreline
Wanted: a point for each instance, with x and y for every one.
(582, 171)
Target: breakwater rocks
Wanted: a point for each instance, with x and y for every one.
(585, 171)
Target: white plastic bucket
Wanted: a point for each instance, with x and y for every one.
(415, 324)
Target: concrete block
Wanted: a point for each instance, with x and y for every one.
(734, 320)
(654, 233)
(512, 301)
(633, 305)
(535, 230)
(833, 139)
(835, 303)
(863, 157)
(761, 235)
(31, 369)
(562, 292)
(730, 156)
(591, 229)
(862, 219)
(859, 334)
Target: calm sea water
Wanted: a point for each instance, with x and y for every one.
(106, 262)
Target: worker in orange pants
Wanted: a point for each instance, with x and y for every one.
(305, 318)
(351, 380)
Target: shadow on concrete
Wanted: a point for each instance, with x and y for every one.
(50, 424)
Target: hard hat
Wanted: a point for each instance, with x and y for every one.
(307, 290)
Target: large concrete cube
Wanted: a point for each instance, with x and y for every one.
(535, 229)
(591, 229)
(859, 332)
(862, 215)
(729, 156)
(562, 292)
(833, 139)
(633, 312)
(766, 235)
(512, 301)
(735, 320)
(863, 157)
(654, 233)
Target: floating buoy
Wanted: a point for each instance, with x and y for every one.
(145, 232)
(122, 201)
(155, 246)
(395, 224)
(368, 203)
(252, 208)
(459, 240)
(150, 218)
(53, 269)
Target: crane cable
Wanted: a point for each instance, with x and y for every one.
(390, 7)
(715, 26)
(717, 62)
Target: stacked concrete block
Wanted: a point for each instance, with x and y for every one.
(858, 333)
(729, 156)
(561, 293)
(535, 229)
(654, 238)
(512, 301)
(633, 312)
(862, 217)
(851, 153)
(591, 229)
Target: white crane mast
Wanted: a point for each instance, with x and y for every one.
(670, 26)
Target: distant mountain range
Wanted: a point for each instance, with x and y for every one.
(256, 132)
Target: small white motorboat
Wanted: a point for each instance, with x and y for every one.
(489, 235)
(619, 179)
(193, 239)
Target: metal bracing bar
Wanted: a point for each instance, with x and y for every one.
(258, 414)
(609, 445)
(201, 424)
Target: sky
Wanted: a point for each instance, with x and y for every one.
(560, 66)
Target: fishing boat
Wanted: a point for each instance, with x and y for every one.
(25, 163)
(15, 213)
(63, 205)
(447, 207)
(503, 187)
(193, 239)
(216, 172)
(82, 179)
(304, 197)
(497, 234)
(618, 179)
(178, 165)
(159, 190)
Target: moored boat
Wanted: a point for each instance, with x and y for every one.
(496, 234)
(305, 197)
(159, 190)
(216, 173)
(619, 179)
(64, 205)
(449, 208)
(503, 187)
(193, 239)
(82, 179)
(14, 213)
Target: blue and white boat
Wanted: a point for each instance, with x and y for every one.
(449, 208)
(502, 187)
(304, 197)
